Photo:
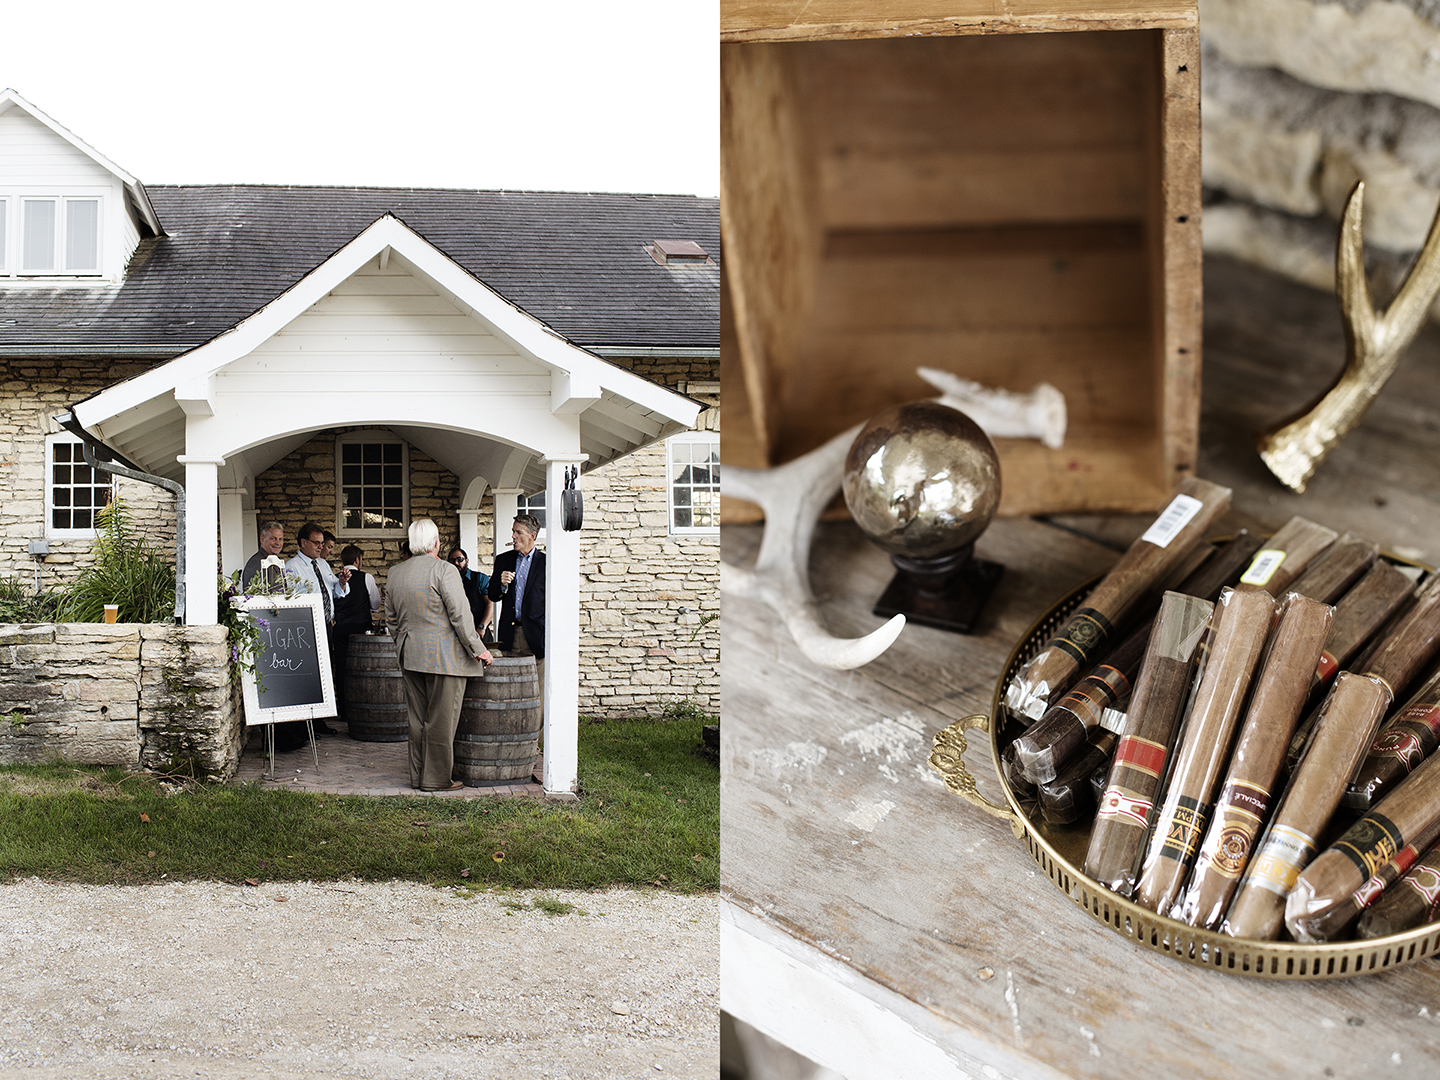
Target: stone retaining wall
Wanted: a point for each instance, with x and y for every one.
(154, 696)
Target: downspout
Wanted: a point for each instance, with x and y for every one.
(91, 444)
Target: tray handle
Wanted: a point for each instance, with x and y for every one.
(946, 759)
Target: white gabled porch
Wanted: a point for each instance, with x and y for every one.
(390, 334)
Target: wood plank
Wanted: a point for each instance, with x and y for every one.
(803, 20)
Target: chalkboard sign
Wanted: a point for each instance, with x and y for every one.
(293, 663)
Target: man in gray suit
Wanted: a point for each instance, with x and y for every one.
(429, 617)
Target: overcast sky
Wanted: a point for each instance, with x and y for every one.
(568, 95)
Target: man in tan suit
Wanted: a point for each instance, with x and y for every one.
(429, 617)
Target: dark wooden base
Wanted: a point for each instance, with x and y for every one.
(948, 592)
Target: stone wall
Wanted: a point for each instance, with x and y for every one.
(31, 392)
(1300, 100)
(154, 696)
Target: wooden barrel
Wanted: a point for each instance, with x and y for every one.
(500, 721)
(374, 691)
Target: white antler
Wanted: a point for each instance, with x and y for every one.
(1004, 414)
(792, 496)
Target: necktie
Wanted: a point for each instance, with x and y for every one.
(325, 592)
(522, 572)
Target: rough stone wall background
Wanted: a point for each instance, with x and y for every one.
(1300, 99)
(649, 601)
(157, 696)
(33, 391)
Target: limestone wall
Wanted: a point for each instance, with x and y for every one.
(153, 696)
(1300, 100)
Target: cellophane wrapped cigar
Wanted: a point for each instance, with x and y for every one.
(1338, 920)
(1405, 740)
(1122, 821)
(1084, 638)
(1412, 643)
(1412, 901)
(1285, 556)
(1048, 743)
(1361, 612)
(1044, 748)
(1245, 621)
(1332, 572)
(1068, 798)
(1315, 907)
(1346, 723)
(1244, 803)
(1023, 788)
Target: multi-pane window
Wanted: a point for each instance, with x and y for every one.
(371, 481)
(533, 504)
(694, 472)
(74, 492)
(54, 236)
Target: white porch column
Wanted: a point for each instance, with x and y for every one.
(507, 503)
(562, 637)
(469, 538)
(235, 546)
(202, 549)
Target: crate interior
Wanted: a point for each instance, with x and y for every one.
(987, 205)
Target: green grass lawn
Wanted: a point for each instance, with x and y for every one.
(649, 814)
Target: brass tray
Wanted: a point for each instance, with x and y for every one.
(1060, 850)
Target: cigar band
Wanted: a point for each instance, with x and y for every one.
(1137, 753)
(1088, 700)
(1370, 843)
(1372, 890)
(1282, 855)
(1426, 881)
(1117, 803)
(1085, 636)
(1327, 666)
(1246, 800)
(1404, 746)
(1185, 829)
(1172, 519)
(1263, 567)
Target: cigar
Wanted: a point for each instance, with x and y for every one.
(1339, 919)
(1280, 692)
(1412, 901)
(1244, 625)
(1084, 638)
(1346, 723)
(1331, 573)
(1316, 908)
(1022, 787)
(1286, 555)
(1362, 611)
(1123, 819)
(1407, 739)
(1412, 643)
(1046, 746)
(1068, 797)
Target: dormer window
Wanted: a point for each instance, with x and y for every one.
(49, 236)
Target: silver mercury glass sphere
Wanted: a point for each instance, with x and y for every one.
(922, 480)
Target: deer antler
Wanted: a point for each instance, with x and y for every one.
(1374, 345)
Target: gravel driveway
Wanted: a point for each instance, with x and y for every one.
(355, 979)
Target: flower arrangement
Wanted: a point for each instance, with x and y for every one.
(243, 627)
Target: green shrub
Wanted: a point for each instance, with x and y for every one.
(19, 605)
(127, 571)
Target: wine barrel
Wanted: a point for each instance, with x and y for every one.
(500, 721)
(374, 691)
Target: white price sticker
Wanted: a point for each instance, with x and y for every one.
(1172, 519)
(1263, 568)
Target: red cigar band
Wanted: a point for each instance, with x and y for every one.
(1327, 666)
(1140, 754)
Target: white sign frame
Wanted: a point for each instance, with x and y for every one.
(254, 714)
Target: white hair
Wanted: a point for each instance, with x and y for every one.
(424, 537)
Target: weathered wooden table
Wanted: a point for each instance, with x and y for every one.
(882, 927)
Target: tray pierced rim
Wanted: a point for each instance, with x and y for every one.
(1283, 960)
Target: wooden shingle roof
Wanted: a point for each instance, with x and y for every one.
(577, 262)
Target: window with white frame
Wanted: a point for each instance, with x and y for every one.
(50, 236)
(74, 492)
(372, 485)
(533, 504)
(693, 461)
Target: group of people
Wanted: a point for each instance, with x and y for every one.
(439, 612)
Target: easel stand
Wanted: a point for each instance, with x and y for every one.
(270, 744)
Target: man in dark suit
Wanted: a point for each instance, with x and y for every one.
(518, 585)
(265, 572)
(435, 639)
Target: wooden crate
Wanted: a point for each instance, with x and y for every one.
(1013, 197)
